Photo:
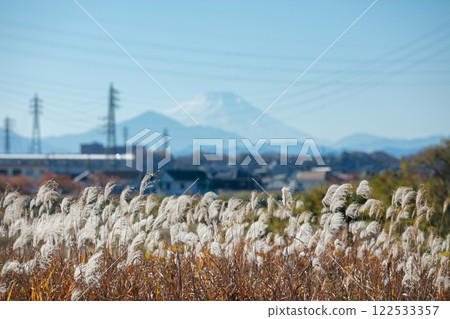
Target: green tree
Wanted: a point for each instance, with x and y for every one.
(434, 162)
(388, 181)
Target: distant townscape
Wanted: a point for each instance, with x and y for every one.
(82, 158)
(179, 174)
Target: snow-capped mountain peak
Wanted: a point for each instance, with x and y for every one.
(230, 112)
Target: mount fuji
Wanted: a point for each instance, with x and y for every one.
(229, 112)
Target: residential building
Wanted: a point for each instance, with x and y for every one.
(177, 182)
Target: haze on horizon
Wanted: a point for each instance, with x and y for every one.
(388, 76)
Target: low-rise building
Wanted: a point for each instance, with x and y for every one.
(177, 182)
(36, 165)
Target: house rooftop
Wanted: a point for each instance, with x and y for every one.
(312, 175)
(64, 156)
(187, 175)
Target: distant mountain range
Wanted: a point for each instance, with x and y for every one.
(397, 147)
(226, 116)
(181, 135)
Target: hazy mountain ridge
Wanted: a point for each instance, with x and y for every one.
(224, 116)
(397, 147)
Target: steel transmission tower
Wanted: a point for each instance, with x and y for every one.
(36, 110)
(111, 121)
(7, 129)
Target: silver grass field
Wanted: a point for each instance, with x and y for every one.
(105, 246)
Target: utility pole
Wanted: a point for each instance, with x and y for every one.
(36, 110)
(8, 128)
(111, 121)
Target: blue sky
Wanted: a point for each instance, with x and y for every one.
(388, 76)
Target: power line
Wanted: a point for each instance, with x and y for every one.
(190, 62)
(406, 45)
(75, 118)
(357, 83)
(363, 87)
(172, 47)
(166, 47)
